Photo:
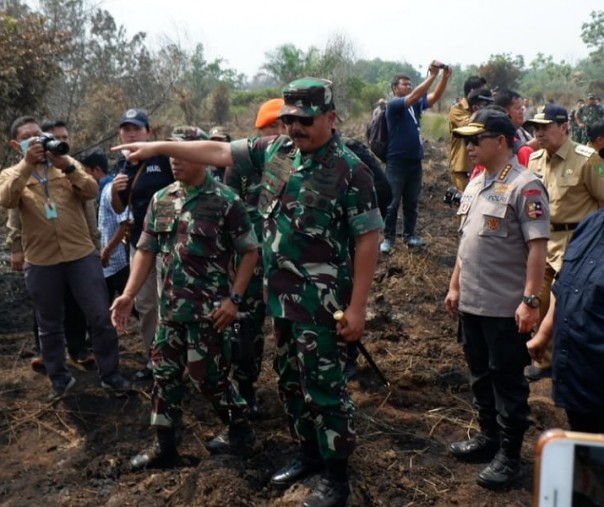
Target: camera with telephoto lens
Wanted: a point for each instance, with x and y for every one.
(452, 197)
(52, 144)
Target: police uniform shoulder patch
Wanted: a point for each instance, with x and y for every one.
(536, 154)
(584, 151)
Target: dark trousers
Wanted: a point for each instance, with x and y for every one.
(405, 178)
(588, 423)
(496, 355)
(74, 325)
(116, 283)
(46, 286)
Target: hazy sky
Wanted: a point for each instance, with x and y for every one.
(463, 31)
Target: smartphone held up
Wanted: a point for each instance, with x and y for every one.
(569, 469)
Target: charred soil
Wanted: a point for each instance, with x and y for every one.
(76, 452)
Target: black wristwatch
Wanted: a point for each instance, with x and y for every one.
(69, 169)
(235, 298)
(533, 301)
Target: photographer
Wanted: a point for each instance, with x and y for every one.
(405, 150)
(48, 187)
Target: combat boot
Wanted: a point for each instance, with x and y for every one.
(234, 439)
(504, 469)
(162, 454)
(333, 488)
(481, 448)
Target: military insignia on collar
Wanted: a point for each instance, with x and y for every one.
(534, 209)
(504, 172)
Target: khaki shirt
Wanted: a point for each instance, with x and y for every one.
(498, 218)
(13, 223)
(459, 114)
(574, 179)
(50, 241)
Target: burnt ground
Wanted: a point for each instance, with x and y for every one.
(76, 452)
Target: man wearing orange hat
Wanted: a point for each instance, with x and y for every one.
(268, 122)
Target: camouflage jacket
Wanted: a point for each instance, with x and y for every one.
(196, 231)
(312, 205)
(590, 114)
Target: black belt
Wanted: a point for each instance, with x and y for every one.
(563, 227)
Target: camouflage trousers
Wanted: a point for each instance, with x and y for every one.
(248, 337)
(200, 348)
(310, 363)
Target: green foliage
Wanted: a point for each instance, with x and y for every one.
(592, 34)
(502, 71)
(435, 126)
(30, 56)
(547, 80)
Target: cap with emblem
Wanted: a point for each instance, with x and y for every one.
(136, 117)
(487, 120)
(219, 134)
(309, 96)
(551, 113)
(188, 133)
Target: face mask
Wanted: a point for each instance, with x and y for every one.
(25, 144)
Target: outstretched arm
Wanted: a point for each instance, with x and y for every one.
(200, 152)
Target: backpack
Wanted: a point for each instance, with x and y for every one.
(377, 135)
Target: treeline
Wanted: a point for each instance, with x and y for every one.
(70, 60)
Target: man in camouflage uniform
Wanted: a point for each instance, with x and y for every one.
(195, 224)
(574, 177)
(588, 115)
(310, 211)
(248, 339)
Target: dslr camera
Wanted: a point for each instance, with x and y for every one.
(50, 143)
(452, 197)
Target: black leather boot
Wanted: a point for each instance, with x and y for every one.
(481, 448)
(299, 468)
(504, 469)
(333, 488)
(234, 439)
(162, 454)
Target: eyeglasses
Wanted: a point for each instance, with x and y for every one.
(305, 121)
(475, 140)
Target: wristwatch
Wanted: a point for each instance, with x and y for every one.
(533, 301)
(235, 298)
(69, 169)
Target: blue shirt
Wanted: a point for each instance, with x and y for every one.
(109, 222)
(578, 361)
(404, 137)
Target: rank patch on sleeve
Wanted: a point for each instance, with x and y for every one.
(534, 209)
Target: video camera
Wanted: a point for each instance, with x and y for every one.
(52, 144)
(452, 197)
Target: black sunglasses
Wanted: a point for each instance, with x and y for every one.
(475, 140)
(305, 121)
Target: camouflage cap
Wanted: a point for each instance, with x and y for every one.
(308, 96)
(219, 133)
(188, 133)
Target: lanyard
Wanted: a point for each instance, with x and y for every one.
(43, 180)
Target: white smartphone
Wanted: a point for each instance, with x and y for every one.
(569, 470)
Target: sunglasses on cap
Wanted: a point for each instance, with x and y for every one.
(314, 96)
(305, 121)
(475, 140)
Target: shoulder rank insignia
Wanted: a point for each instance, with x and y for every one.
(504, 172)
(583, 150)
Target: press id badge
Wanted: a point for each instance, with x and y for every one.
(50, 208)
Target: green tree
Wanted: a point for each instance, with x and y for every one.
(592, 34)
(502, 71)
